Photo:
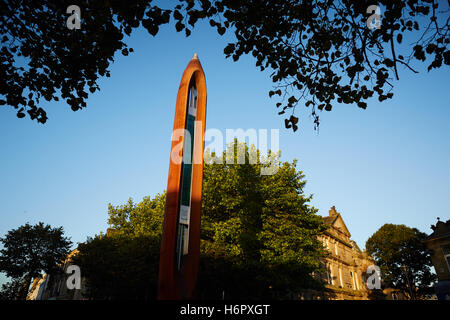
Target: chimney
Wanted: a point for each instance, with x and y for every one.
(332, 211)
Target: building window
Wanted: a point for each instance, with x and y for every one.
(356, 280)
(446, 253)
(447, 259)
(353, 280)
(329, 276)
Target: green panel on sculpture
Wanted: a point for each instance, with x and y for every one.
(187, 167)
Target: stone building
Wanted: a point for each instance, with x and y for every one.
(439, 244)
(54, 287)
(346, 264)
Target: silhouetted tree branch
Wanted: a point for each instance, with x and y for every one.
(321, 51)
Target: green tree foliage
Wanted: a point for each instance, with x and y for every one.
(403, 258)
(12, 289)
(258, 236)
(259, 233)
(120, 266)
(124, 263)
(141, 219)
(321, 52)
(30, 250)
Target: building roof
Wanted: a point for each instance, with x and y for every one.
(334, 219)
(440, 230)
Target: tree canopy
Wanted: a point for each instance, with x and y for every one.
(12, 289)
(30, 250)
(128, 253)
(138, 219)
(258, 236)
(403, 258)
(321, 52)
(259, 232)
(120, 266)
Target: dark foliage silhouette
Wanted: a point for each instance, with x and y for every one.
(321, 52)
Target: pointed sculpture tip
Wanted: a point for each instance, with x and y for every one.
(195, 56)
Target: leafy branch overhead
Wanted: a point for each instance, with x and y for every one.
(320, 52)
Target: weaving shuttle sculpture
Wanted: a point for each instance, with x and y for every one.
(180, 243)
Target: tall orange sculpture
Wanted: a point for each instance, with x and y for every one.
(180, 243)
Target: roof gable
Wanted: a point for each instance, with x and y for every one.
(339, 224)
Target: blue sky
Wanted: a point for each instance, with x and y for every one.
(386, 164)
